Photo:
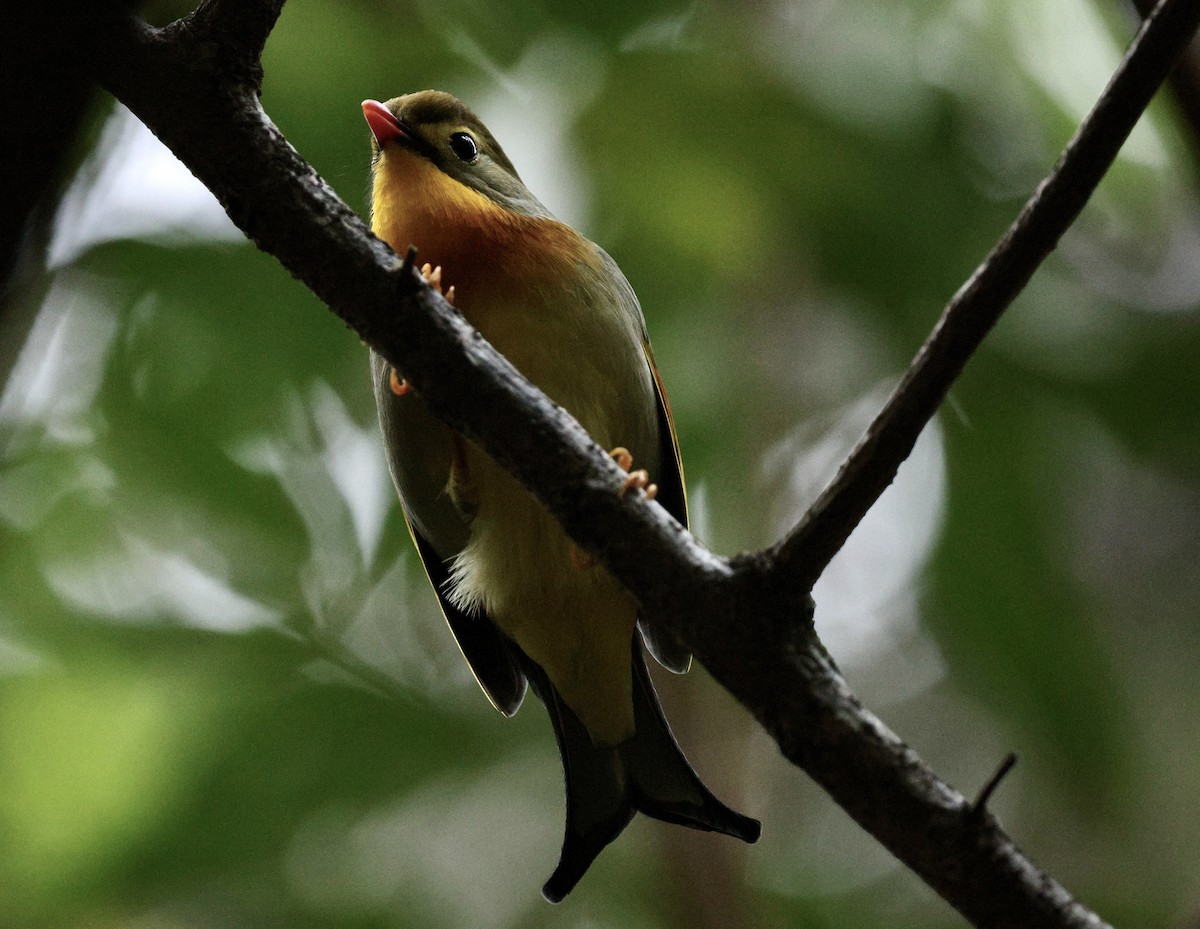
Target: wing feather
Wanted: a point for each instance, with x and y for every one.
(417, 447)
(485, 648)
(672, 496)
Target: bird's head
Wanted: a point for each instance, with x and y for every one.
(439, 129)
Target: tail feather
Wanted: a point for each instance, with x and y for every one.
(599, 806)
(662, 782)
(605, 787)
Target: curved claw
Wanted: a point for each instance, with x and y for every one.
(433, 277)
(639, 478)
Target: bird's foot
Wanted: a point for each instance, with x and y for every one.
(639, 478)
(433, 277)
(581, 560)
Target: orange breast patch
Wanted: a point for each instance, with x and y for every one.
(481, 246)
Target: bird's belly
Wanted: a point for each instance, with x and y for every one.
(519, 566)
(520, 569)
(591, 363)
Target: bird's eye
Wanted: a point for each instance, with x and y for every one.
(464, 147)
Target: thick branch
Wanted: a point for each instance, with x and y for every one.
(753, 632)
(237, 31)
(960, 851)
(980, 302)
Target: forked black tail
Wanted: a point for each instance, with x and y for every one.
(606, 786)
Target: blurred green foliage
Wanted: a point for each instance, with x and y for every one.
(226, 698)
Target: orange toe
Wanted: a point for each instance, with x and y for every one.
(433, 277)
(621, 456)
(639, 479)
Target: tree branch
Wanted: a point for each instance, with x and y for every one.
(235, 31)
(979, 303)
(1184, 79)
(751, 628)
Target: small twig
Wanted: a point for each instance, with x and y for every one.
(974, 310)
(1184, 80)
(985, 794)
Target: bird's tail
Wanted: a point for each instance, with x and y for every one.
(606, 786)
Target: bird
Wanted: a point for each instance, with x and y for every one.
(527, 607)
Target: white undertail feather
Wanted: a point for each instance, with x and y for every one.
(510, 533)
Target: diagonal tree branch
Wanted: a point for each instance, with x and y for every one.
(979, 303)
(237, 32)
(1184, 80)
(749, 625)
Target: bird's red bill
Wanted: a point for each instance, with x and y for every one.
(384, 125)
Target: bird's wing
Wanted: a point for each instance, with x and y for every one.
(418, 453)
(673, 498)
(487, 650)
